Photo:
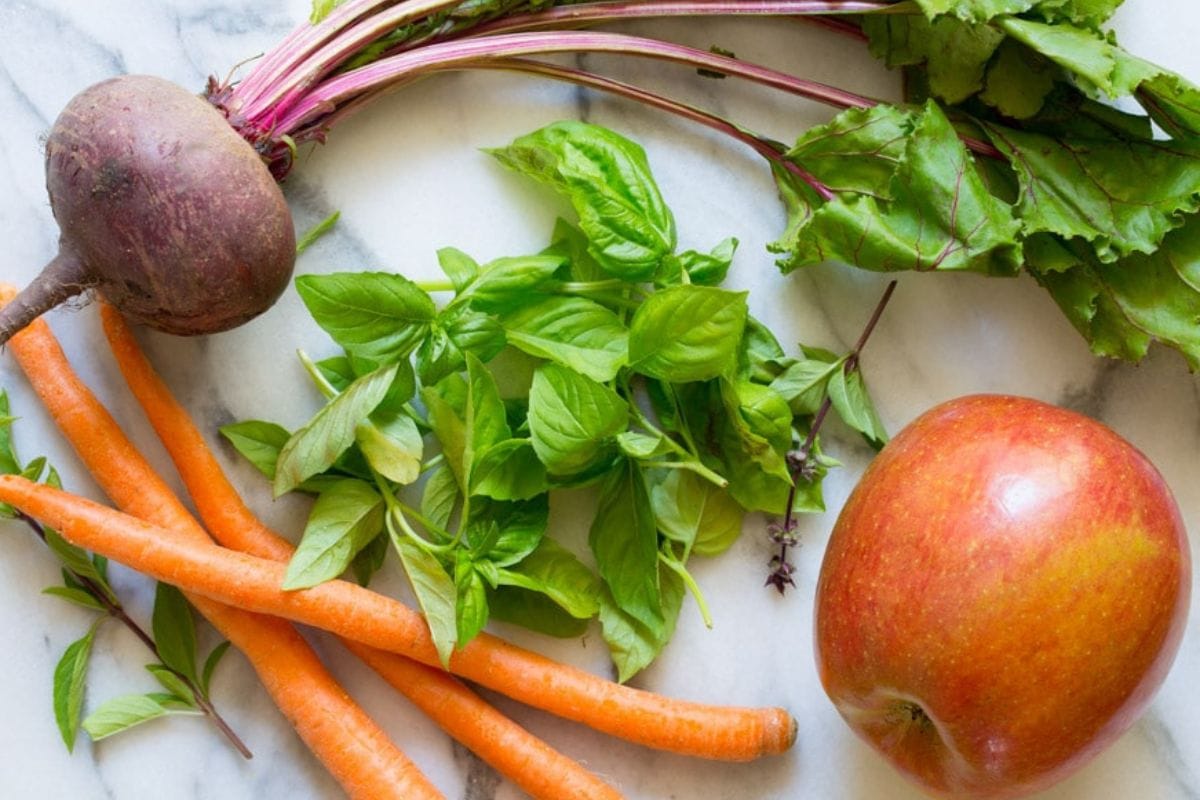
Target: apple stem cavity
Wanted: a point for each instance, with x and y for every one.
(912, 714)
(803, 467)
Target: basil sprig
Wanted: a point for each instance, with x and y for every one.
(626, 369)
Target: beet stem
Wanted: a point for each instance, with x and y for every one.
(623, 10)
(63, 278)
(770, 150)
(300, 43)
(459, 54)
(302, 75)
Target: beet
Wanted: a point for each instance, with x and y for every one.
(163, 209)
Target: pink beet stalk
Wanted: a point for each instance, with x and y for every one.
(302, 74)
(315, 78)
(770, 150)
(458, 54)
(592, 13)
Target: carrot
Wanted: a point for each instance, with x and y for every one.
(526, 760)
(245, 581)
(351, 746)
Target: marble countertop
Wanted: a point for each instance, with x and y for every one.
(409, 177)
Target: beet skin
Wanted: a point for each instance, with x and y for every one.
(163, 208)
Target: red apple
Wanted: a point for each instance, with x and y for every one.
(1002, 595)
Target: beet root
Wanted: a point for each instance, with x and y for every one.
(163, 209)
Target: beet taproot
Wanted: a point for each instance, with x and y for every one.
(163, 209)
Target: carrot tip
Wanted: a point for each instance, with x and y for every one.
(782, 730)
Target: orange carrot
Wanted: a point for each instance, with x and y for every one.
(351, 746)
(244, 581)
(531, 764)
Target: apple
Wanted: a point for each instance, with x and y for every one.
(1001, 596)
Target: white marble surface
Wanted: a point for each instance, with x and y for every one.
(409, 178)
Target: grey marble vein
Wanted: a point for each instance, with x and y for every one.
(1167, 748)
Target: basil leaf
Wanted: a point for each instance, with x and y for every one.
(509, 283)
(34, 469)
(552, 570)
(100, 562)
(122, 713)
(569, 243)
(687, 333)
(316, 446)
(210, 665)
(643, 446)
(446, 404)
(374, 315)
(572, 418)
(174, 630)
(475, 333)
(440, 497)
(854, 406)
(402, 389)
(77, 561)
(509, 470)
(459, 267)
(702, 269)
(392, 446)
(339, 371)
(624, 540)
(632, 644)
(571, 331)
(535, 611)
(75, 596)
(457, 331)
(607, 179)
(810, 493)
(757, 472)
(692, 511)
(514, 530)
(344, 519)
(69, 676)
(258, 442)
(471, 608)
(760, 357)
(663, 400)
(486, 417)
(803, 384)
(172, 704)
(172, 683)
(9, 464)
(592, 475)
(435, 592)
(765, 412)
(369, 560)
(438, 357)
